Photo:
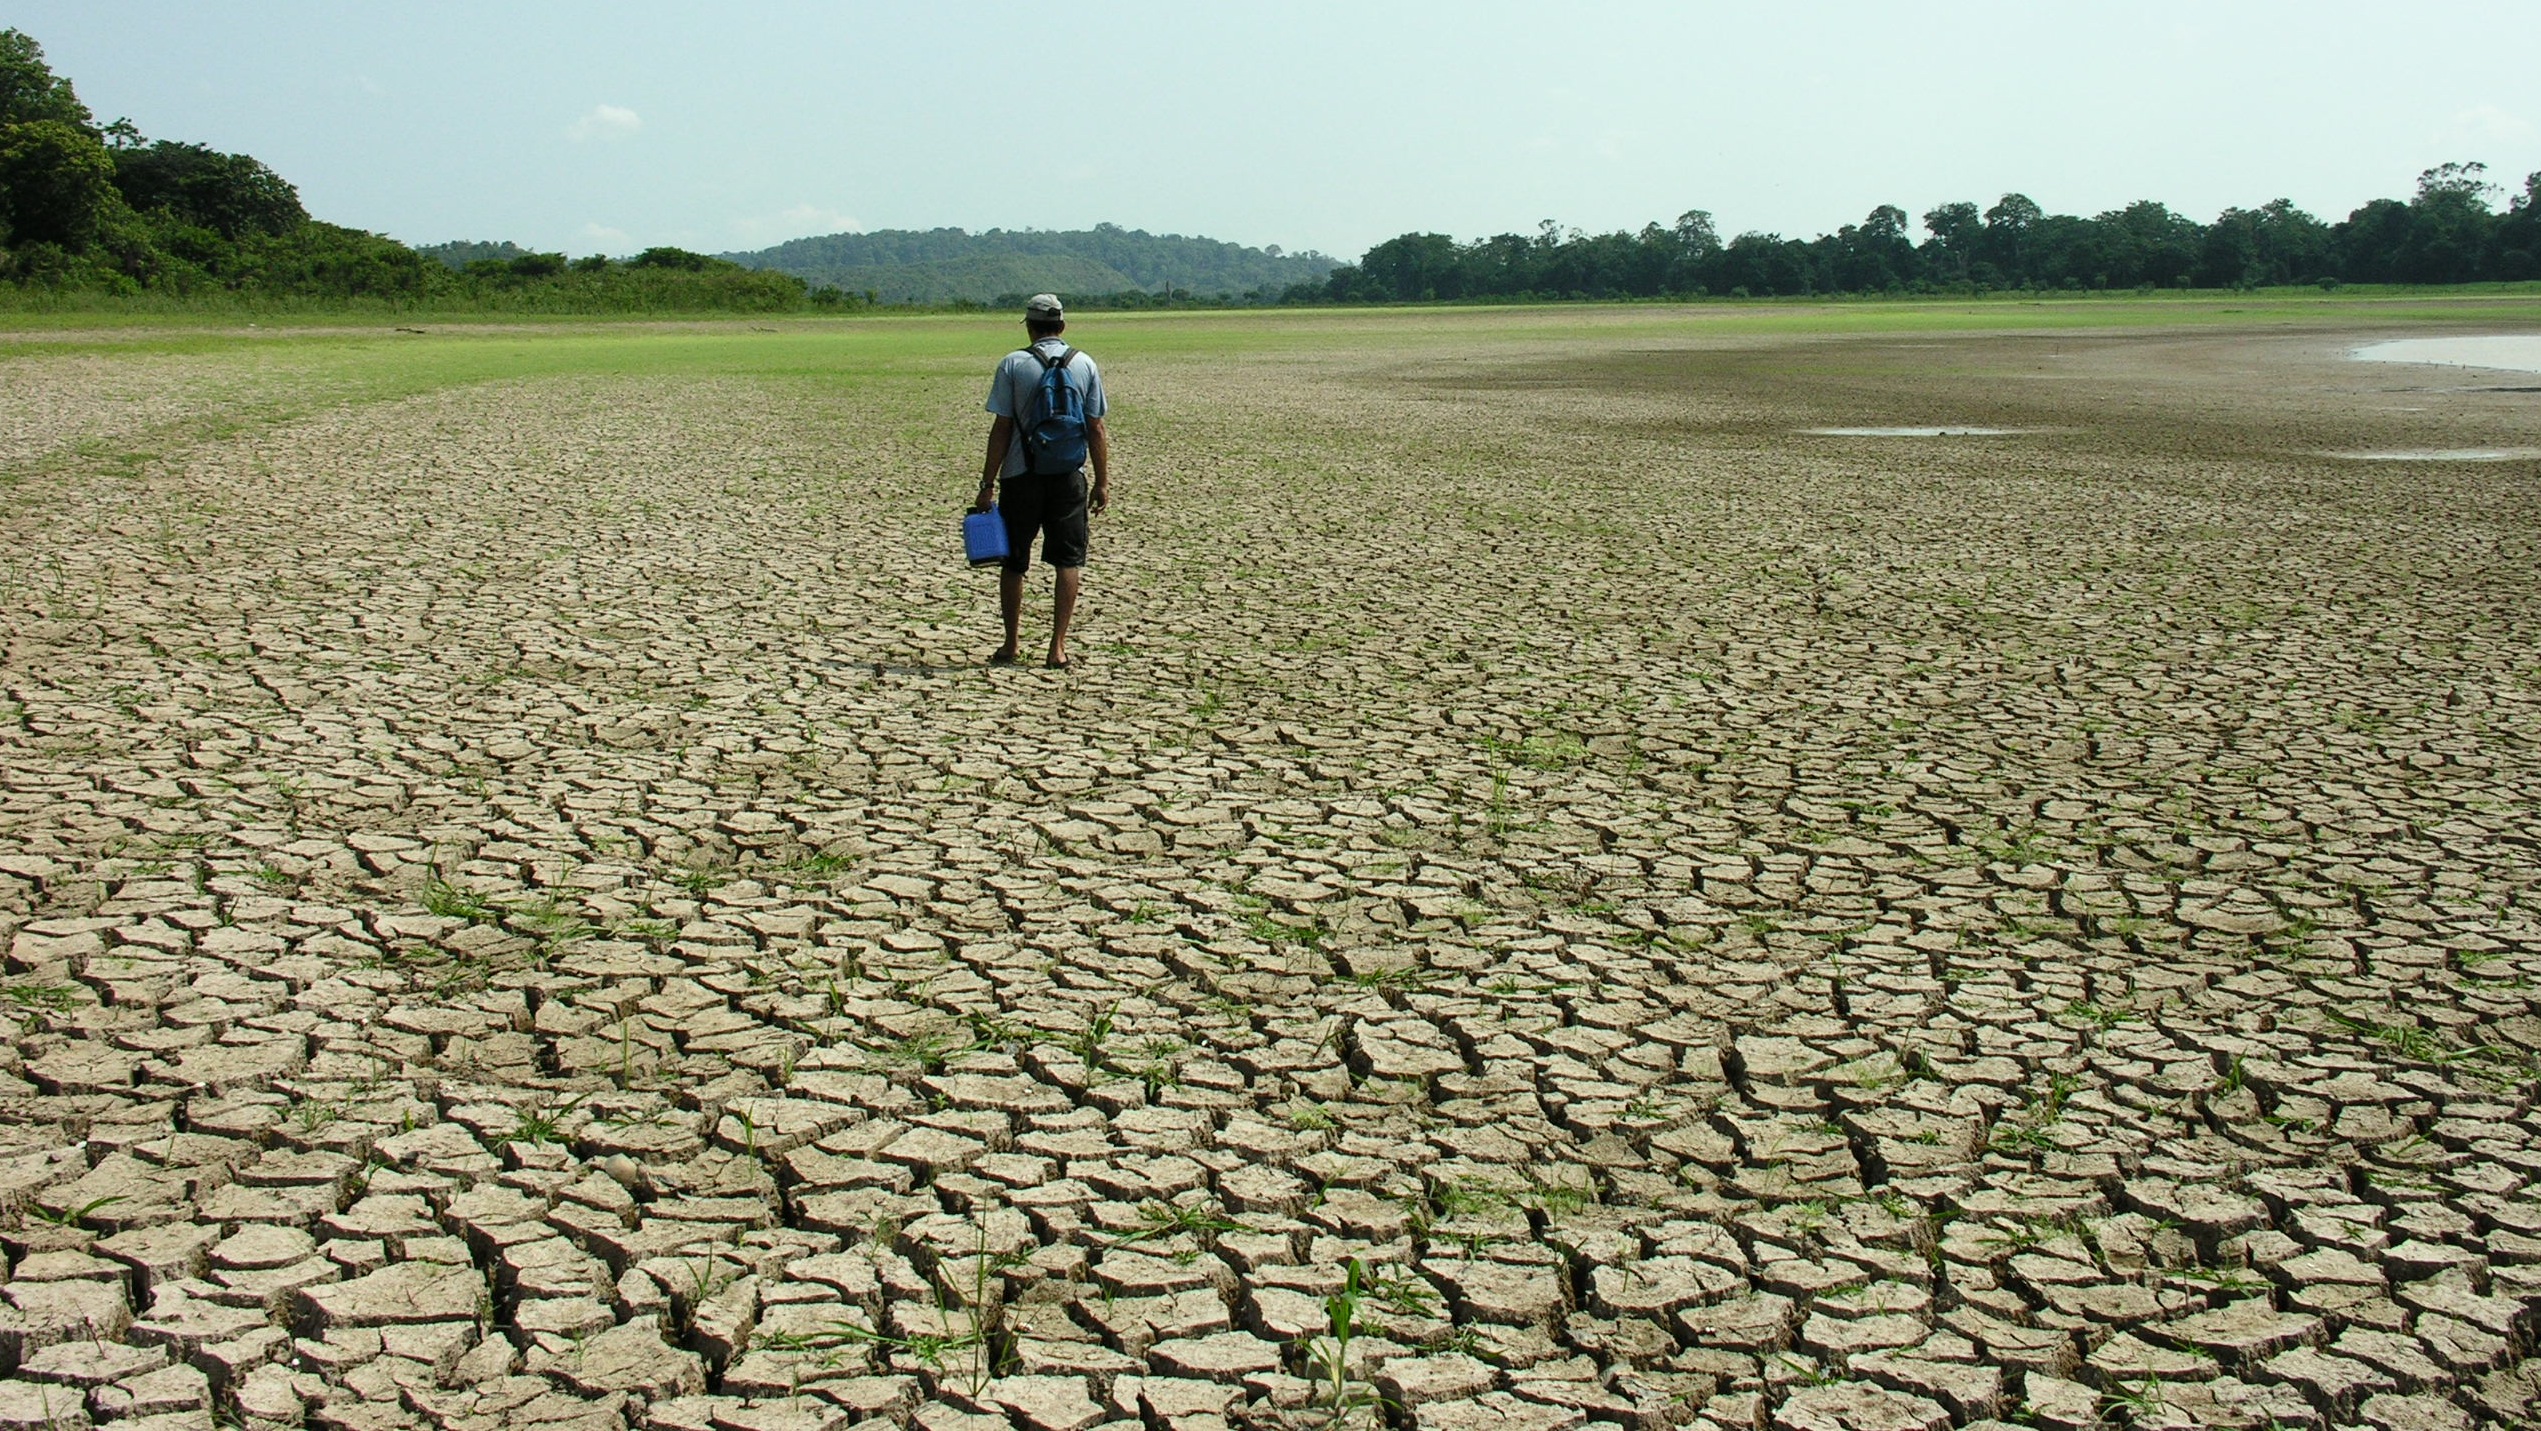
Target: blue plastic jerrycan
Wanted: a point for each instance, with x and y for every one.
(984, 537)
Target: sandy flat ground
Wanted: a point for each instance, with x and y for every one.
(523, 905)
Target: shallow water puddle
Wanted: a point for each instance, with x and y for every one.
(2506, 352)
(2442, 454)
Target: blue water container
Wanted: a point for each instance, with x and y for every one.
(984, 537)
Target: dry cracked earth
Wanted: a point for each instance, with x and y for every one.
(1550, 897)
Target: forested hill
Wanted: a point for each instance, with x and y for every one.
(941, 265)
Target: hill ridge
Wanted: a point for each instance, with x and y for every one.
(944, 264)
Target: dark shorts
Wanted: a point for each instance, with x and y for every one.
(1052, 506)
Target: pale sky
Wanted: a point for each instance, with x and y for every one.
(593, 127)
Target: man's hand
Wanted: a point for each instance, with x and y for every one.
(1098, 445)
(1001, 434)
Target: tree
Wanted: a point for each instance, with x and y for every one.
(231, 194)
(1875, 255)
(1413, 267)
(2006, 240)
(2372, 244)
(2143, 243)
(2449, 225)
(1763, 264)
(2273, 243)
(664, 257)
(30, 91)
(57, 183)
(1697, 242)
(2519, 234)
(1957, 233)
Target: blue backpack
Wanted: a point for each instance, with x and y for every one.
(1053, 427)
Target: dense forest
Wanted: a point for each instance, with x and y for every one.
(2448, 233)
(89, 209)
(92, 211)
(943, 265)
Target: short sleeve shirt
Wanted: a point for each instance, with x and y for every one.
(1010, 391)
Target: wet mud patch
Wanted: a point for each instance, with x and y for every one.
(2189, 396)
(1913, 431)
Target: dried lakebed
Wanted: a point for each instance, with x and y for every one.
(524, 910)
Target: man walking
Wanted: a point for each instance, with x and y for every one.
(1048, 404)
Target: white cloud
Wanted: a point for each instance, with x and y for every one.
(617, 239)
(800, 221)
(605, 121)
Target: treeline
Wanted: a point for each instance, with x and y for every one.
(89, 209)
(2448, 233)
(513, 279)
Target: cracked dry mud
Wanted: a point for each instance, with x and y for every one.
(522, 907)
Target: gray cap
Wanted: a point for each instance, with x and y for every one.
(1043, 308)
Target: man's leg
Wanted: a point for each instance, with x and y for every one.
(1070, 578)
(1010, 606)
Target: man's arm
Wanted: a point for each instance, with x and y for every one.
(1001, 435)
(1098, 443)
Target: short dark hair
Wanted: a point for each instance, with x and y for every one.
(1040, 329)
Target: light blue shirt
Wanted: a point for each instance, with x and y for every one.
(1010, 391)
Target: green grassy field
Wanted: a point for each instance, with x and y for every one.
(305, 366)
